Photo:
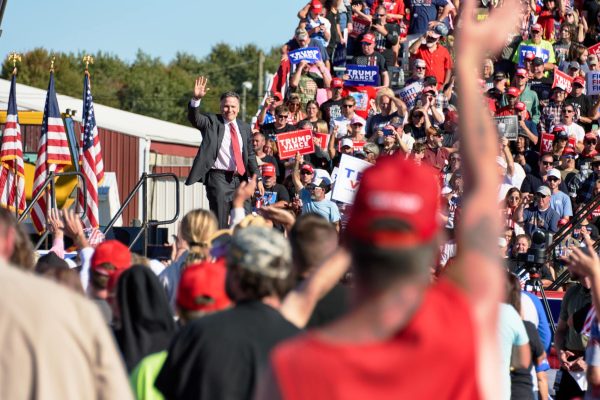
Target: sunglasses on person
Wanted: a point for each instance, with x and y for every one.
(420, 68)
(381, 15)
(569, 156)
(552, 179)
(348, 105)
(305, 173)
(590, 142)
(539, 196)
(547, 163)
(280, 116)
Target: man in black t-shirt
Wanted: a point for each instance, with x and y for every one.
(371, 57)
(258, 142)
(280, 125)
(314, 240)
(581, 103)
(539, 82)
(332, 108)
(275, 193)
(221, 356)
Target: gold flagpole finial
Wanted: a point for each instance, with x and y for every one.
(15, 58)
(88, 60)
(52, 63)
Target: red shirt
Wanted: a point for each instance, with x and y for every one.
(436, 159)
(433, 357)
(436, 62)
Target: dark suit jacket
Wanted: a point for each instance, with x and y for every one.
(212, 127)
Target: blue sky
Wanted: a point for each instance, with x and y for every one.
(160, 28)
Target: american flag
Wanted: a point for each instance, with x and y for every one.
(278, 84)
(52, 155)
(90, 155)
(12, 171)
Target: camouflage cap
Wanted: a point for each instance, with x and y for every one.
(257, 248)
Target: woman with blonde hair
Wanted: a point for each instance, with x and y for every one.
(193, 245)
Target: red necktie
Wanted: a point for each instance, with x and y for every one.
(237, 153)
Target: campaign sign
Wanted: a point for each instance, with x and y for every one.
(593, 82)
(290, 143)
(537, 51)
(508, 126)
(409, 93)
(308, 54)
(357, 146)
(348, 178)
(562, 80)
(321, 140)
(595, 49)
(365, 75)
(546, 142)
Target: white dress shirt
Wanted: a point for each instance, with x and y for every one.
(225, 158)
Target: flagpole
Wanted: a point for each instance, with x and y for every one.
(87, 59)
(16, 57)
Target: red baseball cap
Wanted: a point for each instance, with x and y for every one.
(558, 128)
(337, 83)
(568, 150)
(513, 91)
(536, 27)
(521, 71)
(520, 106)
(530, 56)
(580, 80)
(316, 5)
(396, 192)
(268, 169)
(590, 136)
(368, 38)
(202, 287)
(307, 167)
(110, 252)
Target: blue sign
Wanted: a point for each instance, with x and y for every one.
(308, 54)
(362, 75)
(537, 51)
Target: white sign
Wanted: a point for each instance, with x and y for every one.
(348, 178)
(409, 93)
(593, 82)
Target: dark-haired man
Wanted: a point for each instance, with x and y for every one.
(314, 240)
(220, 356)
(226, 155)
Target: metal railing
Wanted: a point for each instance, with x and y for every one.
(142, 184)
(564, 233)
(50, 181)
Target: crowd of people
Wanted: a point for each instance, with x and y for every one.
(415, 288)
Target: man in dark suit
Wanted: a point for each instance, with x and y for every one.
(226, 155)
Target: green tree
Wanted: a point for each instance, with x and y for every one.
(147, 85)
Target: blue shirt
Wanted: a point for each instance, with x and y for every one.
(534, 218)
(543, 327)
(561, 203)
(423, 12)
(325, 208)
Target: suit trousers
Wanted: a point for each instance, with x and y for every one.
(220, 188)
